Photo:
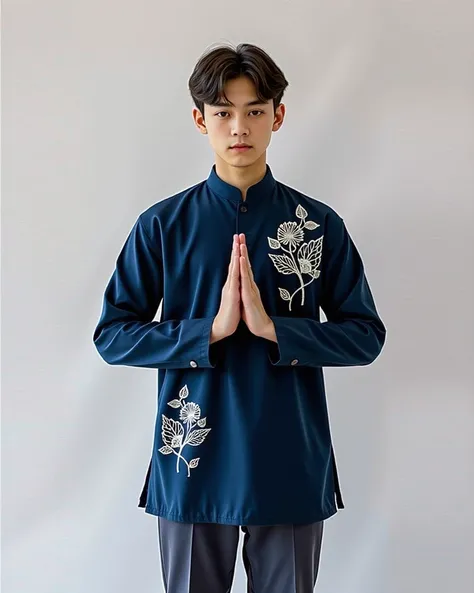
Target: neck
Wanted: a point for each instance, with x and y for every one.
(242, 177)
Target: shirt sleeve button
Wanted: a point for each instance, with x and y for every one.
(193, 363)
(294, 362)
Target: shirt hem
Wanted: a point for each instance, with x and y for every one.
(226, 520)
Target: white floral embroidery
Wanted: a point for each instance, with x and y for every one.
(308, 256)
(177, 435)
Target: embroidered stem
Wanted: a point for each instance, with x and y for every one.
(300, 288)
(181, 457)
(190, 429)
(297, 272)
(300, 276)
(183, 444)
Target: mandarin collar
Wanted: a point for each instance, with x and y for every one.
(261, 190)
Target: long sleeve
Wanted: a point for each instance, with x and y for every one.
(126, 333)
(353, 334)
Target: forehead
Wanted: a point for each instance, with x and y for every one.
(240, 86)
(241, 92)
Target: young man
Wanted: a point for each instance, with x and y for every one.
(242, 265)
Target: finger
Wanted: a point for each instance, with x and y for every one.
(235, 273)
(244, 274)
(243, 241)
(236, 267)
(232, 265)
(232, 260)
(247, 257)
(235, 247)
(245, 253)
(234, 241)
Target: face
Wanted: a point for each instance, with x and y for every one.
(245, 122)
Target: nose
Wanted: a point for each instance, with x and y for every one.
(239, 126)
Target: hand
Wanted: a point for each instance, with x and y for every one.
(253, 311)
(228, 316)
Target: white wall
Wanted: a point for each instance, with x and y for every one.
(96, 127)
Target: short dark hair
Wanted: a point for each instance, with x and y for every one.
(218, 66)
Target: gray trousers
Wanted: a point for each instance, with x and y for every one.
(200, 557)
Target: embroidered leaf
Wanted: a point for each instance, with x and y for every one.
(274, 244)
(202, 423)
(301, 212)
(170, 429)
(176, 442)
(316, 244)
(315, 248)
(285, 295)
(310, 225)
(194, 462)
(197, 437)
(283, 263)
(175, 403)
(166, 450)
(184, 392)
(310, 253)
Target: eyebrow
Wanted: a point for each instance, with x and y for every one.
(230, 104)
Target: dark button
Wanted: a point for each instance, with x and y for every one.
(243, 208)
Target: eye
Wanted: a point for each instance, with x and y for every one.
(220, 113)
(258, 111)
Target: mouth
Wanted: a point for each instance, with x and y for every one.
(240, 147)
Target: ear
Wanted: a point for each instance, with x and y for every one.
(199, 121)
(279, 117)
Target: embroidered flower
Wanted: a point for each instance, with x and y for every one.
(174, 434)
(289, 233)
(305, 265)
(308, 256)
(190, 413)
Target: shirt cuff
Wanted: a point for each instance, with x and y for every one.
(282, 353)
(208, 352)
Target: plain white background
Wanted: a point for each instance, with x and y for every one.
(97, 127)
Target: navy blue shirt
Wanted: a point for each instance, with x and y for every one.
(242, 434)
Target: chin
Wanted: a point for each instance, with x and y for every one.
(247, 158)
